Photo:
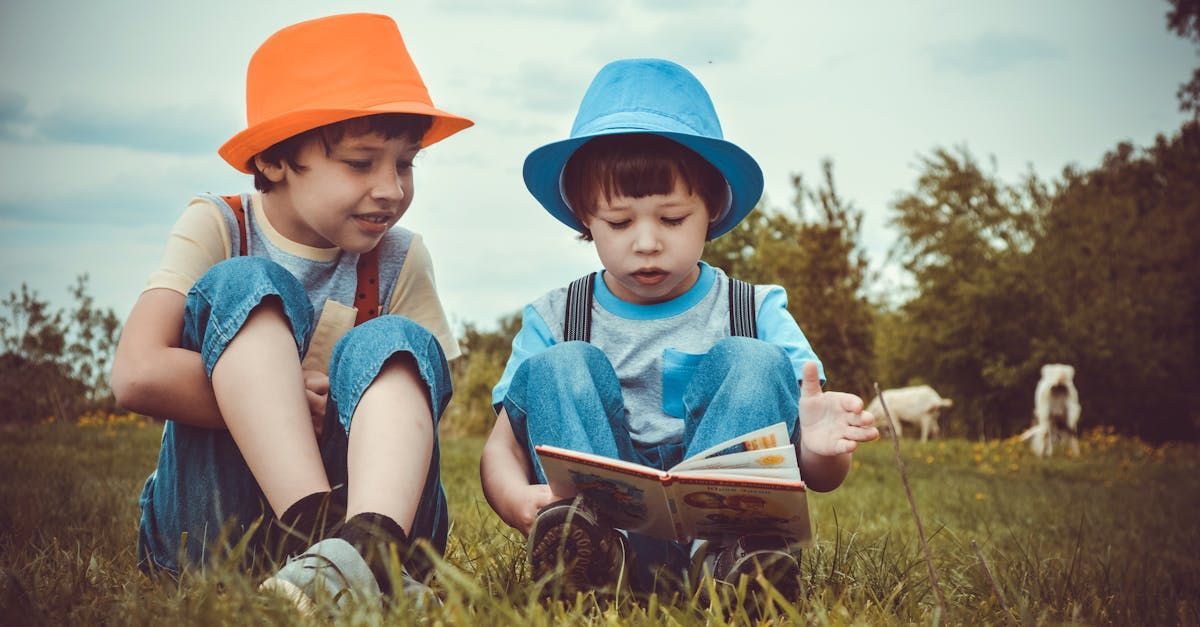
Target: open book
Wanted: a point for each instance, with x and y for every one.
(750, 484)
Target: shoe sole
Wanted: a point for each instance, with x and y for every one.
(291, 592)
(781, 570)
(571, 534)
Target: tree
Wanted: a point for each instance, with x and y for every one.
(964, 236)
(819, 261)
(1118, 256)
(1184, 20)
(476, 372)
(54, 363)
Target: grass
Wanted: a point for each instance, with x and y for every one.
(1109, 537)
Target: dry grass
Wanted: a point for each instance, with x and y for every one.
(1106, 538)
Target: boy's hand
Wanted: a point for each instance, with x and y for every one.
(831, 423)
(524, 504)
(316, 389)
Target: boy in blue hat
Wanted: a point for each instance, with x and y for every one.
(659, 355)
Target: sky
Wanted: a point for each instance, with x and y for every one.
(111, 113)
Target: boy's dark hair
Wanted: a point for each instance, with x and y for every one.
(637, 165)
(390, 125)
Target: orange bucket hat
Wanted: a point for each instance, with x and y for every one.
(328, 70)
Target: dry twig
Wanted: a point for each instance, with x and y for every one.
(995, 586)
(933, 580)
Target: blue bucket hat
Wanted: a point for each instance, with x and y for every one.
(648, 96)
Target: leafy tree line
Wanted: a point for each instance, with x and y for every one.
(1097, 269)
(55, 362)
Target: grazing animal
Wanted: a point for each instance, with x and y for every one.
(1056, 411)
(917, 405)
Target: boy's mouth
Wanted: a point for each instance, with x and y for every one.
(651, 276)
(373, 222)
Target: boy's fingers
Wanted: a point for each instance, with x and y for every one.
(861, 434)
(316, 381)
(851, 403)
(810, 384)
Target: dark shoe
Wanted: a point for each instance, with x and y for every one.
(775, 558)
(571, 551)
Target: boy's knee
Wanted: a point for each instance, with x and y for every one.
(248, 271)
(569, 356)
(228, 286)
(576, 364)
(383, 337)
(385, 344)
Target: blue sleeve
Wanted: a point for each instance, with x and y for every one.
(534, 337)
(777, 326)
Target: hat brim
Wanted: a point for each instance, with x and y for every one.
(241, 148)
(543, 169)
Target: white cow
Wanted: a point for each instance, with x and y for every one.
(1056, 411)
(917, 405)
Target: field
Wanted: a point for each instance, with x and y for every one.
(1109, 537)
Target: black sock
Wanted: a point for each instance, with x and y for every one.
(372, 534)
(306, 522)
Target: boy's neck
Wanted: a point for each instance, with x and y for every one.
(697, 288)
(282, 219)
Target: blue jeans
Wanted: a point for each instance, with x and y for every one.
(202, 498)
(569, 396)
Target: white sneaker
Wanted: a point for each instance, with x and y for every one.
(329, 572)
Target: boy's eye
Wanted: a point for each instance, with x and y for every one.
(617, 225)
(674, 221)
(403, 166)
(356, 164)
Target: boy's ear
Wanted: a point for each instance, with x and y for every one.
(273, 171)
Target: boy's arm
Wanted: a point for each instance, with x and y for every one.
(831, 426)
(152, 375)
(507, 481)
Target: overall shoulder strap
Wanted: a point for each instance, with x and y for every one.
(742, 316)
(239, 212)
(366, 296)
(577, 324)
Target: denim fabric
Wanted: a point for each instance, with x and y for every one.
(569, 396)
(202, 486)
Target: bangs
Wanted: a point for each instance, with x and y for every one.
(636, 166)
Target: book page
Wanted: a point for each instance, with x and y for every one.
(779, 457)
(767, 437)
(628, 496)
(777, 474)
(720, 507)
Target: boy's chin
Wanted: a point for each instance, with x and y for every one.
(359, 245)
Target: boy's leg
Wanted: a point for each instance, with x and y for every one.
(203, 482)
(389, 385)
(569, 396)
(742, 384)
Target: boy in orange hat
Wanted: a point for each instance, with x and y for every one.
(261, 342)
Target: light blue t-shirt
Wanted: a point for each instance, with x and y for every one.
(655, 348)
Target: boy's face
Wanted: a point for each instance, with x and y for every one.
(347, 198)
(650, 246)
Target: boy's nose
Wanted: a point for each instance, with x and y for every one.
(647, 242)
(388, 187)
